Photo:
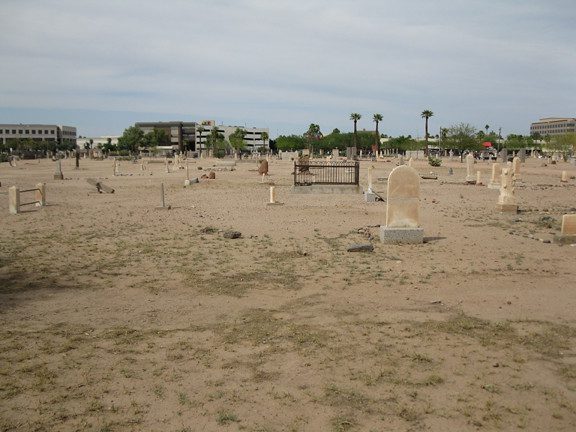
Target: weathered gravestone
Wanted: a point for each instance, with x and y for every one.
(402, 215)
(495, 180)
(504, 155)
(351, 152)
(263, 167)
(522, 155)
(58, 174)
(470, 178)
(516, 167)
(507, 201)
(568, 230)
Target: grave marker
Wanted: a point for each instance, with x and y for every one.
(507, 201)
(402, 210)
(495, 180)
(58, 174)
(469, 166)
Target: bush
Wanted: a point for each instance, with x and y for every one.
(435, 162)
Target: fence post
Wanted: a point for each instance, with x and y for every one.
(40, 194)
(14, 200)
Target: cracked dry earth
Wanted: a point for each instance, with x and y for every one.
(116, 315)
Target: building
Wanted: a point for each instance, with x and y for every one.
(181, 134)
(553, 126)
(193, 136)
(64, 136)
(254, 138)
(93, 142)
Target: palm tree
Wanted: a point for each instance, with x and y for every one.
(376, 147)
(426, 114)
(487, 127)
(355, 117)
(265, 138)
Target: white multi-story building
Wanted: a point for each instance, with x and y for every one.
(254, 138)
(61, 135)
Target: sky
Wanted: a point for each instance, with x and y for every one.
(101, 65)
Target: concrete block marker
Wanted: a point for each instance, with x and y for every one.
(568, 231)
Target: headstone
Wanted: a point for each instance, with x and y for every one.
(507, 201)
(77, 159)
(564, 177)
(40, 195)
(568, 230)
(469, 166)
(335, 153)
(58, 174)
(263, 167)
(450, 171)
(522, 155)
(495, 180)
(410, 161)
(504, 155)
(478, 178)
(401, 160)
(306, 152)
(516, 167)
(351, 152)
(273, 201)
(402, 210)
(211, 175)
(13, 200)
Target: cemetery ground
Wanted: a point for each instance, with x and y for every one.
(117, 315)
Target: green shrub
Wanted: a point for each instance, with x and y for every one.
(435, 162)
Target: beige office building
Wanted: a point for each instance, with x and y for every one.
(553, 126)
(62, 135)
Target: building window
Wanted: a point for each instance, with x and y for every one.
(33, 131)
(20, 131)
(39, 131)
(13, 131)
(27, 131)
(46, 132)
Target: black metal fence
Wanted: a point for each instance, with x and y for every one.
(327, 173)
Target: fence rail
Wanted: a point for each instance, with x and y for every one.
(326, 173)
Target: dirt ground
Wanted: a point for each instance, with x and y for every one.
(116, 315)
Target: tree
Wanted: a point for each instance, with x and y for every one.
(291, 142)
(462, 137)
(402, 143)
(158, 137)
(355, 117)
(214, 139)
(564, 144)
(336, 131)
(426, 114)
(376, 147)
(131, 139)
(237, 139)
(265, 137)
(487, 127)
(313, 134)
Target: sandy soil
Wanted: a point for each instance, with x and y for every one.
(119, 316)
